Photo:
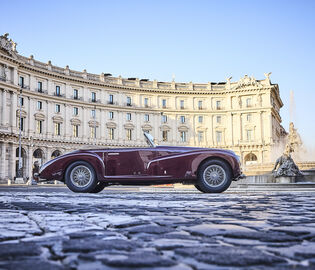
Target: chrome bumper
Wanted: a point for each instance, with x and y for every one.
(241, 176)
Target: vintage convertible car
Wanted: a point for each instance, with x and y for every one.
(210, 170)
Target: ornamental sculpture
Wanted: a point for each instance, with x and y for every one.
(247, 81)
(8, 44)
(287, 166)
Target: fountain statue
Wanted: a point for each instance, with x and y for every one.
(287, 166)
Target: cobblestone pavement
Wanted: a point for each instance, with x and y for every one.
(53, 228)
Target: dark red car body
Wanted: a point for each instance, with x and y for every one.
(136, 166)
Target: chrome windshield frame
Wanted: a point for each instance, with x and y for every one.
(149, 139)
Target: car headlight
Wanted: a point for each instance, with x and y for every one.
(44, 166)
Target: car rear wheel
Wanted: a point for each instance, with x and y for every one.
(80, 177)
(214, 176)
(99, 187)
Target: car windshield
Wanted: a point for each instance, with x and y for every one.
(149, 139)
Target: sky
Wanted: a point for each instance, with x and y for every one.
(195, 40)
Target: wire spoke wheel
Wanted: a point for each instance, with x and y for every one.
(81, 176)
(214, 175)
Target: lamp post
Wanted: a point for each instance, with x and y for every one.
(19, 172)
(94, 124)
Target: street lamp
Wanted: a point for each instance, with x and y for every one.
(94, 124)
(19, 172)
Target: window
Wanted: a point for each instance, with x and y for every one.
(39, 127)
(129, 116)
(21, 100)
(200, 136)
(164, 135)
(128, 101)
(182, 119)
(164, 118)
(57, 108)
(248, 102)
(111, 99)
(21, 81)
(218, 105)
(146, 118)
(57, 90)
(164, 103)
(111, 115)
(40, 87)
(146, 102)
(75, 131)
(21, 123)
(39, 105)
(218, 136)
(93, 113)
(249, 117)
(183, 136)
(249, 135)
(75, 111)
(200, 118)
(182, 103)
(75, 94)
(129, 134)
(93, 132)
(93, 97)
(200, 104)
(57, 129)
(111, 133)
(219, 118)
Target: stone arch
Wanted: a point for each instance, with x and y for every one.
(39, 156)
(250, 158)
(56, 153)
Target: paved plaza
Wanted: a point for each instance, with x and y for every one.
(126, 228)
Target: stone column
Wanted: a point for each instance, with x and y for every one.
(31, 111)
(102, 126)
(66, 122)
(241, 128)
(13, 112)
(230, 134)
(3, 166)
(138, 127)
(29, 162)
(12, 159)
(84, 125)
(212, 132)
(120, 128)
(4, 108)
(49, 119)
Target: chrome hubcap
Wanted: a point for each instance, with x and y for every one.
(214, 175)
(81, 176)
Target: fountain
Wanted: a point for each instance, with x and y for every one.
(285, 173)
(287, 166)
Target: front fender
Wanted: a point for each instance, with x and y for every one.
(57, 167)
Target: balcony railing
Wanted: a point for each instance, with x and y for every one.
(95, 100)
(41, 91)
(76, 98)
(58, 94)
(3, 78)
(24, 86)
(112, 103)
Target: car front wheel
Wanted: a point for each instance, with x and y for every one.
(214, 176)
(80, 177)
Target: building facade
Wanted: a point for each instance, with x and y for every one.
(62, 110)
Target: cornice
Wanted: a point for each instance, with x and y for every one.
(71, 79)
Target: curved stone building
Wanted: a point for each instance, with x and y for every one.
(63, 110)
